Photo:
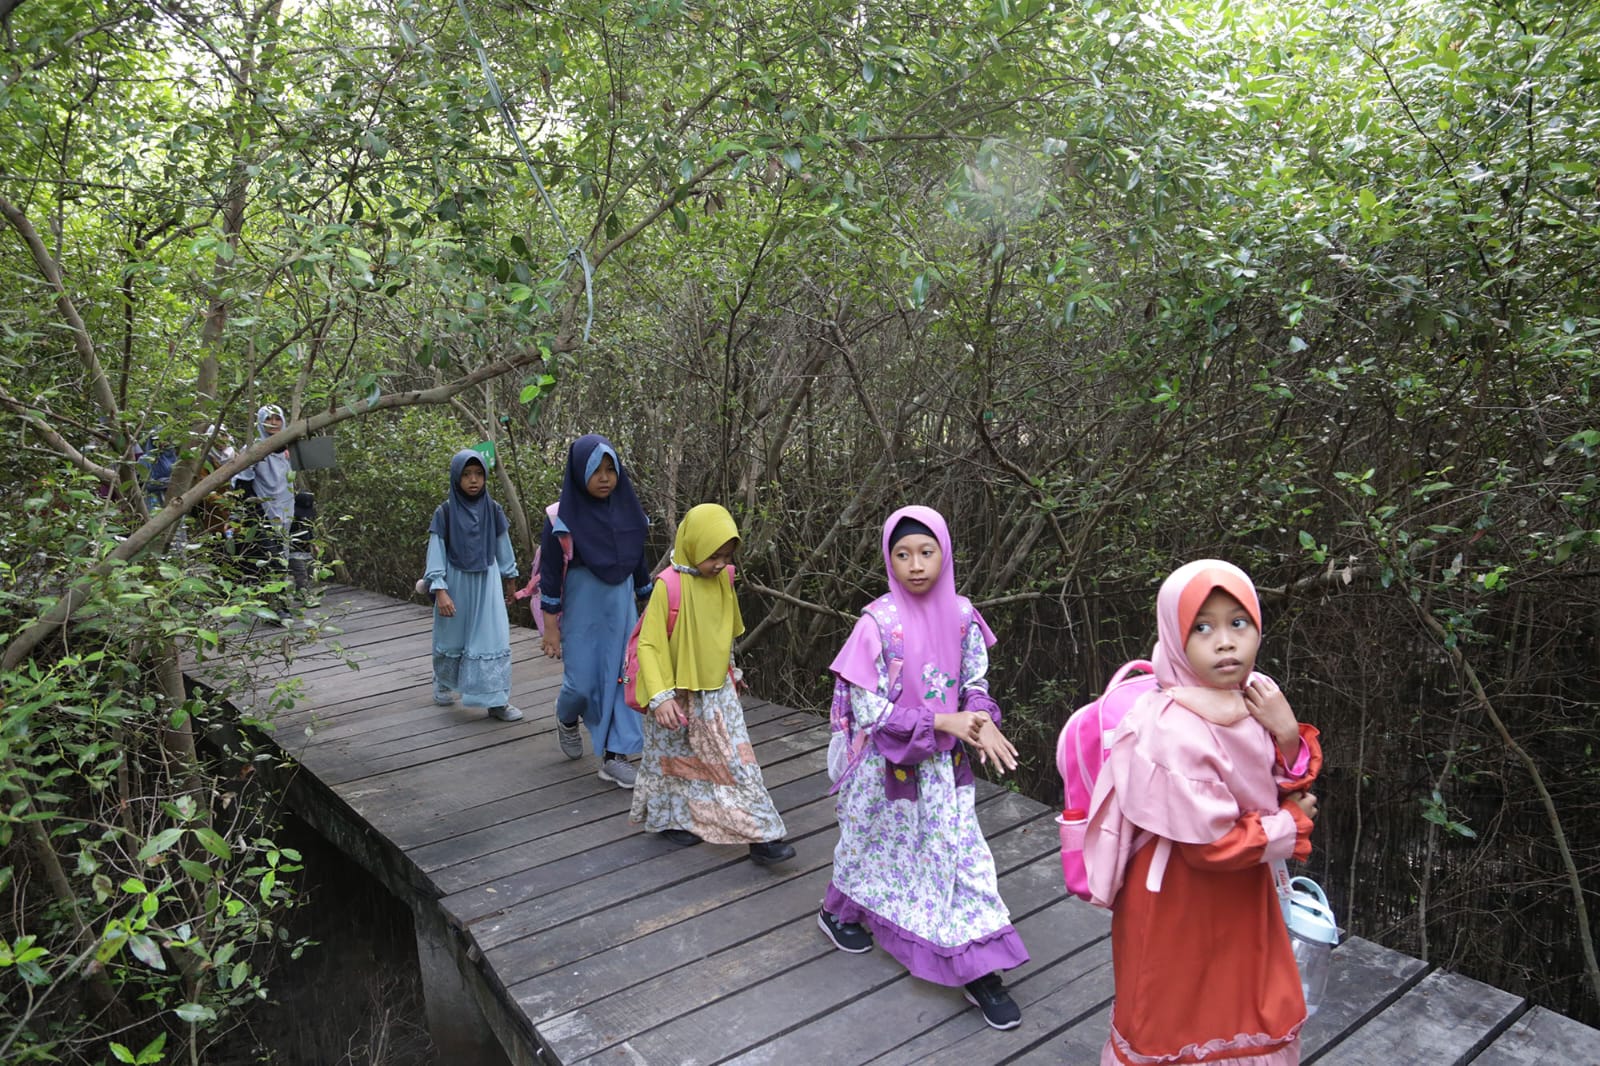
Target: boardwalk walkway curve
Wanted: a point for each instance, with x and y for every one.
(547, 920)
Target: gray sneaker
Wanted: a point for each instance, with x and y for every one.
(570, 738)
(444, 698)
(508, 713)
(618, 771)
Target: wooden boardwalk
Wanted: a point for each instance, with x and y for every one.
(586, 941)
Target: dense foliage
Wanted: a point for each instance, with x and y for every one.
(1309, 286)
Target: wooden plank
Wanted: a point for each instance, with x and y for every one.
(816, 982)
(1075, 988)
(1542, 1036)
(1363, 978)
(530, 837)
(532, 903)
(910, 1021)
(1445, 1018)
(699, 919)
(529, 845)
(543, 782)
(1080, 1041)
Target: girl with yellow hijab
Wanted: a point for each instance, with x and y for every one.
(698, 779)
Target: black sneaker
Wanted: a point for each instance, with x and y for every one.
(681, 837)
(846, 936)
(769, 852)
(989, 995)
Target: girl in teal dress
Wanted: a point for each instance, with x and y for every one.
(469, 546)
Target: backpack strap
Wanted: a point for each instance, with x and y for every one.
(673, 580)
(559, 528)
(674, 584)
(890, 640)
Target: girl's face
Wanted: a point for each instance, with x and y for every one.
(1223, 641)
(917, 560)
(273, 424)
(472, 480)
(603, 480)
(719, 560)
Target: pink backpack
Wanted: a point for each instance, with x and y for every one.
(673, 580)
(531, 589)
(1081, 751)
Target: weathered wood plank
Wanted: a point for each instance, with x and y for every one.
(1544, 1038)
(523, 906)
(1363, 978)
(1445, 1018)
(1076, 988)
(911, 1021)
(509, 848)
(694, 921)
(809, 981)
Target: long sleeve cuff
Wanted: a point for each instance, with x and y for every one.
(977, 699)
(906, 736)
(1283, 834)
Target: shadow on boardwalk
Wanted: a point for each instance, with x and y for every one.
(580, 939)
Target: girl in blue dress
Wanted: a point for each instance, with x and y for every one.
(590, 604)
(471, 572)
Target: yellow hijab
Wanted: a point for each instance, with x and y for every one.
(695, 655)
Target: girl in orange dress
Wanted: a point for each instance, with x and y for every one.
(1204, 791)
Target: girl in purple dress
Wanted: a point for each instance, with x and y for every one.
(911, 708)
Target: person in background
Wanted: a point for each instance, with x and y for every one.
(261, 539)
(471, 572)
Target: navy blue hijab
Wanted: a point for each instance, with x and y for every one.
(470, 528)
(607, 535)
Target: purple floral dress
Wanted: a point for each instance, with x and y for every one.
(911, 864)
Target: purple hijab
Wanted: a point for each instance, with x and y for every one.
(930, 626)
(608, 535)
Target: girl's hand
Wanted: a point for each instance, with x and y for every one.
(670, 715)
(1307, 802)
(1269, 706)
(992, 744)
(446, 606)
(963, 725)
(551, 644)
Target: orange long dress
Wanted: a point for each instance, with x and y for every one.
(1204, 971)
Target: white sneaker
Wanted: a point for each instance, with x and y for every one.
(619, 772)
(444, 699)
(508, 713)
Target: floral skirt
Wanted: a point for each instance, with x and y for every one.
(704, 778)
(919, 874)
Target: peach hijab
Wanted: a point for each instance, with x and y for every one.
(1188, 760)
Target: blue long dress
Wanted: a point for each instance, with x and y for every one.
(472, 650)
(596, 619)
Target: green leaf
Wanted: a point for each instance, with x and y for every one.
(791, 159)
(195, 1013)
(146, 951)
(214, 843)
(158, 844)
